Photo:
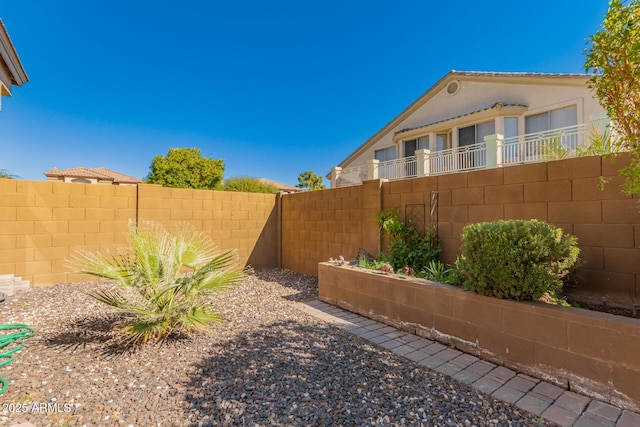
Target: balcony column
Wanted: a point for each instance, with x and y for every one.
(372, 169)
(335, 174)
(422, 162)
(494, 144)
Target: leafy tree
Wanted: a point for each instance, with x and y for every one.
(163, 281)
(248, 185)
(310, 181)
(614, 56)
(186, 168)
(5, 174)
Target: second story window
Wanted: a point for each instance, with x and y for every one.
(385, 154)
(554, 119)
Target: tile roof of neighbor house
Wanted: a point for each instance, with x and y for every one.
(464, 75)
(98, 173)
(280, 186)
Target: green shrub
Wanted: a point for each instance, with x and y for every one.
(516, 259)
(163, 280)
(247, 184)
(406, 246)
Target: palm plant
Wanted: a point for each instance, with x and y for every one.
(601, 143)
(163, 280)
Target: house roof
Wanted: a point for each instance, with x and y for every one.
(95, 173)
(506, 77)
(11, 61)
(280, 186)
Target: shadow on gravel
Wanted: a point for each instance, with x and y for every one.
(305, 285)
(290, 373)
(98, 335)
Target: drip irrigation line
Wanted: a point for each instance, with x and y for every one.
(11, 343)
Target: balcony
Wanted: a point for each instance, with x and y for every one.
(495, 151)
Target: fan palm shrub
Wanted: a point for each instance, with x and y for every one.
(164, 279)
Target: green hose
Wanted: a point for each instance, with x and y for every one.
(14, 342)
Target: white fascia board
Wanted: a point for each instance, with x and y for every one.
(10, 57)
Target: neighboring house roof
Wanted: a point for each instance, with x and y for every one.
(479, 76)
(280, 186)
(93, 173)
(11, 62)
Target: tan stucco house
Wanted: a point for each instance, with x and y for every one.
(472, 120)
(11, 70)
(83, 175)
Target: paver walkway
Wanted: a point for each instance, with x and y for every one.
(549, 401)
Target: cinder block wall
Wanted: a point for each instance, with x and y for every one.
(43, 223)
(243, 221)
(317, 225)
(565, 193)
(568, 194)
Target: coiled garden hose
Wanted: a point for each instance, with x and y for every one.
(11, 343)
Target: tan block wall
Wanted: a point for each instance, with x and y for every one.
(243, 221)
(318, 225)
(42, 224)
(565, 193)
(595, 353)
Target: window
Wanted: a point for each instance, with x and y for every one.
(411, 146)
(553, 119)
(510, 127)
(385, 154)
(475, 134)
(443, 142)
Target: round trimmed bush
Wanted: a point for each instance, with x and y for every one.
(516, 259)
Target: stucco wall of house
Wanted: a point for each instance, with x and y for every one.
(476, 95)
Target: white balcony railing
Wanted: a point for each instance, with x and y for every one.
(403, 168)
(542, 146)
(493, 152)
(458, 159)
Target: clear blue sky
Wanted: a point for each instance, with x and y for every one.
(273, 87)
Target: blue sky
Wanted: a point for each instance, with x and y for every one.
(273, 87)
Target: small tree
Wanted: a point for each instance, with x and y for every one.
(310, 181)
(248, 185)
(186, 168)
(614, 56)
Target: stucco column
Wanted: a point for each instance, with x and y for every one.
(422, 159)
(335, 174)
(372, 169)
(493, 149)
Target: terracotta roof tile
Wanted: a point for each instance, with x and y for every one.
(96, 173)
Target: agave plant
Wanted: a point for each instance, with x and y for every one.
(163, 280)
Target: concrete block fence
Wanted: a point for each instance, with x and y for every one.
(42, 223)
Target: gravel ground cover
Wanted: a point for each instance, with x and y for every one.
(267, 364)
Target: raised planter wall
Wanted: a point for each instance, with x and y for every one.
(588, 352)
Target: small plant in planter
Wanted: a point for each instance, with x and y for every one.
(406, 247)
(439, 272)
(163, 280)
(516, 259)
